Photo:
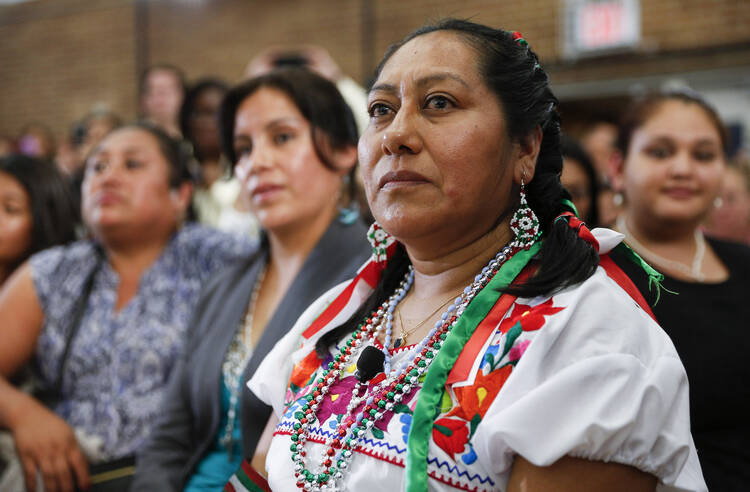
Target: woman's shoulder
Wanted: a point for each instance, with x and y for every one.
(60, 272)
(599, 317)
(193, 233)
(736, 256)
(589, 374)
(68, 259)
(205, 246)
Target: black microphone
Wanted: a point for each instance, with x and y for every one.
(369, 364)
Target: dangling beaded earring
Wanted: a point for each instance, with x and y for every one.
(524, 224)
(348, 215)
(379, 240)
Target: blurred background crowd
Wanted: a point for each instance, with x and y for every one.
(72, 71)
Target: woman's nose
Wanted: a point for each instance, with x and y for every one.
(242, 168)
(402, 135)
(681, 164)
(257, 160)
(109, 172)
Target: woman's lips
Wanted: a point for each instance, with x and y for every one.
(108, 198)
(397, 179)
(679, 192)
(264, 192)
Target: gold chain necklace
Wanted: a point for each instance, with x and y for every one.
(406, 333)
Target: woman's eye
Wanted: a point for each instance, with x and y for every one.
(242, 151)
(133, 164)
(438, 102)
(659, 152)
(98, 166)
(378, 110)
(12, 209)
(281, 138)
(704, 155)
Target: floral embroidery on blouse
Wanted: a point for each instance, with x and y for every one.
(452, 458)
(119, 362)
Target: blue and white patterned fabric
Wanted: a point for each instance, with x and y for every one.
(119, 362)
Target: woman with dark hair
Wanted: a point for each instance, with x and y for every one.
(674, 149)
(292, 139)
(36, 210)
(216, 196)
(579, 178)
(199, 123)
(490, 343)
(103, 320)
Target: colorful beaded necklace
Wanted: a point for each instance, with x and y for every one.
(398, 383)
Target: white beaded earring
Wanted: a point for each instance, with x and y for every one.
(525, 223)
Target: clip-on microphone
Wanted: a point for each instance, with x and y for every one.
(369, 364)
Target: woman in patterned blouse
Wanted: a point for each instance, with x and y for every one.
(103, 320)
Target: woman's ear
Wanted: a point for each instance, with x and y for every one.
(525, 153)
(180, 197)
(616, 171)
(344, 159)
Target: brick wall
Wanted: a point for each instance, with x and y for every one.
(60, 57)
(56, 61)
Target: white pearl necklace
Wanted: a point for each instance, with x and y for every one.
(694, 271)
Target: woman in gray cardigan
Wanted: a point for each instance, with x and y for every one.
(293, 141)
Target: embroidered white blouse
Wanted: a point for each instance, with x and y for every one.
(584, 373)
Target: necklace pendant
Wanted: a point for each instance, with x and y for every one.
(397, 343)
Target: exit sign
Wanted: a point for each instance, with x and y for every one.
(592, 27)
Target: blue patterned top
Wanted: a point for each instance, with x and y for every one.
(119, 363)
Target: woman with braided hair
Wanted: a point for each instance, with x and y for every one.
(490, 343)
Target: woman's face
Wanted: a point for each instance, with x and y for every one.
(731, 219)
(126, 186)
(16, 221)
(435, 156)
(674, 167)
(576, 181)
(204, 127)
(162, 95)
(282, 177)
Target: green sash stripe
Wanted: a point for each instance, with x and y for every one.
(432, 388)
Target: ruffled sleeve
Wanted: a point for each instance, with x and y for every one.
(602, 382)
(270, 380)
(204, 251)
